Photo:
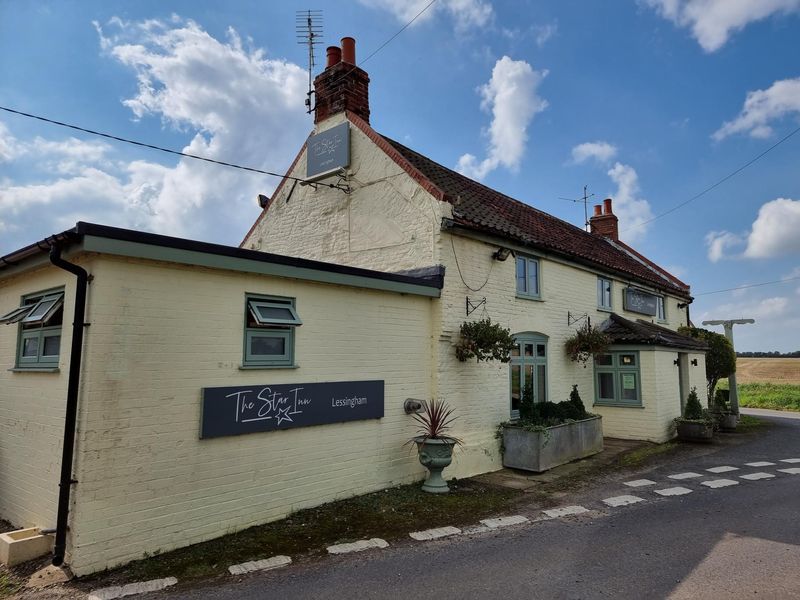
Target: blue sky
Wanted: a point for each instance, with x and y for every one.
(648, 102)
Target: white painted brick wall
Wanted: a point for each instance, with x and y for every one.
(159, 334)
(31, 411)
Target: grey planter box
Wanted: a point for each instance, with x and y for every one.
(535, 451)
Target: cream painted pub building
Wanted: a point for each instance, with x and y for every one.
(180, 390)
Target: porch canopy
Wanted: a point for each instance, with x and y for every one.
(625, 331)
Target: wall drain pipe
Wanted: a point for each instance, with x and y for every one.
(71, 416)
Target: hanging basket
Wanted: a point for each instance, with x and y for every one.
(586, 342)
(484, 340)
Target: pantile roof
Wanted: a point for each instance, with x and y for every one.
(625, 331)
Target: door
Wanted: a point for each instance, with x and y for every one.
(528, 366)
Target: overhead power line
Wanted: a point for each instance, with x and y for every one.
(160, 148)
(717, 184)
(752, 285)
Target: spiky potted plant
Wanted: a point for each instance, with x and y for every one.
(726, 420)
(696, 425)
(434, 444)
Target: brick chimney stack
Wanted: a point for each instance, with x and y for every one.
(604, 222)
(342, 85)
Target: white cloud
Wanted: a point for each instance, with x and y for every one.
(235, 104)
(719, 242)
(466, 14)
(630, 208)
(542, 33)
(511, 97)
(600, 151)
(766, 309)
(8, 144)
(761, 107)
(775, 230)
(677, 271)
(713, 21)
(774, 233)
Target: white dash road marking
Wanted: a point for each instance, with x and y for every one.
(756, 476)
(499, 522)
(434, 534)
(673, 491)
(358, 546)
(565, 511)
(790, 460)
(622, 500)
(639, 483)
(719, 483)
(131, 589)
(724, 469)
(471, 529)
(260, 565)
(792, 471)
(684, 475)
(760, 463)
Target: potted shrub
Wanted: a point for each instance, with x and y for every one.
(549, 434)
(725, 419)
(696, 425)
(434, 444)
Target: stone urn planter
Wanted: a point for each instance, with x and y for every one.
(435, 454)
(434, 443)
(695, 431)
(547, 447)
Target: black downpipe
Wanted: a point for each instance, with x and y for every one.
(71, 416)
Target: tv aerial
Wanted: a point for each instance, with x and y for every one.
(308, 28)
(585, 200)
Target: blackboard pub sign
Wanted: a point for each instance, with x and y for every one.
(254, 408)
(641, 302)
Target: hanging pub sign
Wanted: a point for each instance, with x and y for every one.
(254, 408)
(328, 151)
(641, 302)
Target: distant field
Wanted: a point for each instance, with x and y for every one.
(768, 370)
(768, 383)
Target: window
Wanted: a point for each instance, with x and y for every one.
(40, 317)
(661, 308)
(269, 331)
(528, 276)
(603, 293)
(528, 367)
(617, 379)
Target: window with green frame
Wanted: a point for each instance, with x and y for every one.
(528, 365)
(617, 379)
(528, 277)
(40, 317)
(270, 323)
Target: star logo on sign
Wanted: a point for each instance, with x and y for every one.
(283, 415)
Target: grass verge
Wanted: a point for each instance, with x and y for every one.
(775, 396)
(637, 457)
(8, 583)
(390, 514)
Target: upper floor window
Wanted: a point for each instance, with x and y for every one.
(269, 331)
(40, 316)
(603, 293)
(528, 279)
(661, 308)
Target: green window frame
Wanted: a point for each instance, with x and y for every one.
(528, 277)
(39, 317)
(528, 365)
(269, 331)
(604, 293)
(617, 379)
(661, 308)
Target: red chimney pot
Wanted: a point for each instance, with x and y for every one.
(334, 54)
(607, 207)
(349, 50)
(598, 210)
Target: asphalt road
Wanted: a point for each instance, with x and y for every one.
(741, 541)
